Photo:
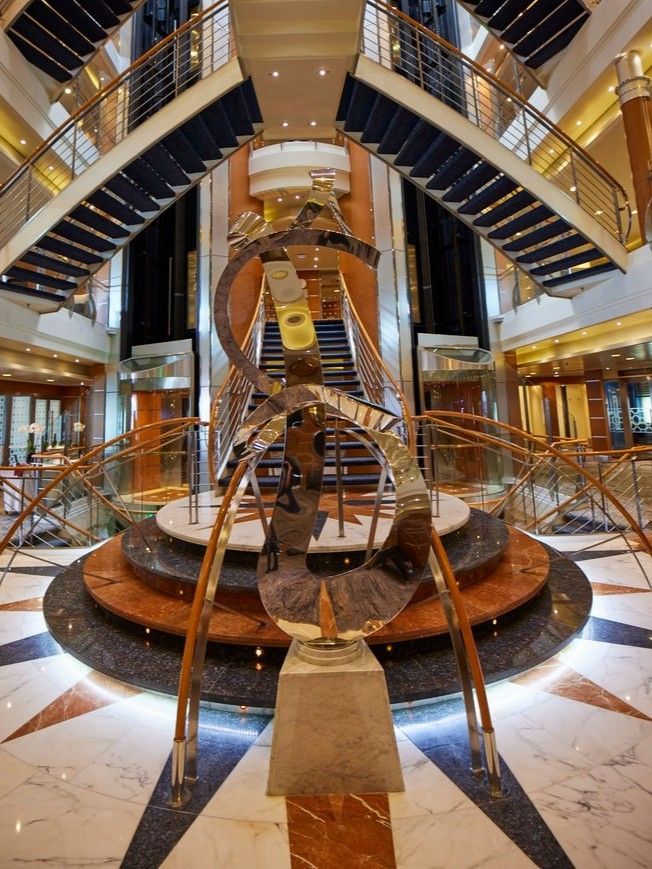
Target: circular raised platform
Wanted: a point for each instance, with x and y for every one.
(240, 617)
(173, 565)
(247, 676)
(247, 535)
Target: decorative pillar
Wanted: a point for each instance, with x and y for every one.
(636, 105)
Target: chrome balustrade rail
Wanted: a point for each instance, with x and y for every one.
(229, 407)
(399, 43)
(191, 53)
(378, 384)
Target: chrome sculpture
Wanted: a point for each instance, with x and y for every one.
(319, 610)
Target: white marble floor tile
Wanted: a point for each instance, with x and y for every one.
(22, 586)
(632, 609)
(242, 796)
(600, 817)
(13, 772)
(556, 737)
(28, 687)
(212, 842)
(427, 790)
(619, 570)
(18, 625)
(462, 839)
(625, 671)
(50, 823)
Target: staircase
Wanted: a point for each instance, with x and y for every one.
(358, 467)
(485, 154)
(121, 160)
(534, 30)
(59, 37)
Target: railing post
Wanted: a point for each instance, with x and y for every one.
(526, 136)
(603, 503)
(29, 194)
(619, 220)
(576, 188)
(637, 494)
(338, 481)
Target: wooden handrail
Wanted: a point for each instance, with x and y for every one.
(563, 457)
(180, 422)
(512, 94)
(108, 88)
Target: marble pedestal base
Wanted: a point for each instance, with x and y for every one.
(333, 730)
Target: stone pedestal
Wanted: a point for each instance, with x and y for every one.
(333, 730)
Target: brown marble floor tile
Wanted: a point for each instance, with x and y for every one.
(554, 677)
(30, 604)
(93, 692)
(602, 588)
(340, 830)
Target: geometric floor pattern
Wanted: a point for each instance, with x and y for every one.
(84, 759)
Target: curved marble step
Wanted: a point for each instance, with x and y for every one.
(172, 565)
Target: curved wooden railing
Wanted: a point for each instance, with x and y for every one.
(81, 469)
(399, 42)
(466, 426)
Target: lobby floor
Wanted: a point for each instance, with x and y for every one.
(84, 759)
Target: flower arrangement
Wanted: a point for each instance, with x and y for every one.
(33, 431)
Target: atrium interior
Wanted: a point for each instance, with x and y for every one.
(326, 433)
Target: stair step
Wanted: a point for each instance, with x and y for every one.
(74, 13)
(132, 194)
(179, 145)
(580, 275)
(329, 462)
(235, 112)
(488, 195)
(30, 291)
(421, 138)
(74, 233)
(46, 43)
(361, 104)
(548, 23)
(83, 214)
(554, 46)
(524, 221)
(329, 480)
(567, 262)
(161, 160)
(146, 177)
(54, 265)
(506, 209)
(454, 168)
(40, 278)
(377, 120)
(110, 205)
(440, 150)
(398, 130)
(38, 59)
(202, 141)
(471, 182)
(550, 230)
(102, 13)
(570, 242)
(56, 245)
(48, 18)
(218, 123)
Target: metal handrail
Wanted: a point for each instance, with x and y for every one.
(229, 405)
(402, 44)
(192, 52)
(377, 380)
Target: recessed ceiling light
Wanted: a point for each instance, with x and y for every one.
(322, 71)
(296, 196)
(285, 124)
(599, 212)
(55, 355)
(67, 90)
(502, 47)
(556, 340)
(28, 349)
(578, 123)
(572, 189)
(279, 199)
(23, 141)
(634, 210)
(615, 355)
(611, 89)
(6, 375)
(584, 332)
(275, 73)
(534, 346)
(618, 323)
(313, 123)
(50, 380)
(76, 360)
(630, 358)
(607, 368)
(50, 168)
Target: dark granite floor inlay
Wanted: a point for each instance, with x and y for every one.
(29, 649)
(235, 675)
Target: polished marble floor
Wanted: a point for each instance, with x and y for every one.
(84, 759)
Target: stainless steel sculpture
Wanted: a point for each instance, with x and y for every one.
(319, 610)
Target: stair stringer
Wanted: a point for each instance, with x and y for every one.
(184, 107)
(410, 96)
